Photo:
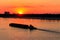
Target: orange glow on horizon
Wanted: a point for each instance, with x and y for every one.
(30, 6)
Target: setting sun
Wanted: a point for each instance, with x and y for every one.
(21, 10)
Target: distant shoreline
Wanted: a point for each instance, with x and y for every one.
(33, 16)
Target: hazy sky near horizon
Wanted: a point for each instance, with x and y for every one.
(32, 6)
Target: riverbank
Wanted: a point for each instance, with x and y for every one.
(34, 16)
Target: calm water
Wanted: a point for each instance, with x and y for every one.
(9, 33)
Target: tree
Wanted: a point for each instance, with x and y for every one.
(6, 13)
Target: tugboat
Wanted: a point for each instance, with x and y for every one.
(23, 26)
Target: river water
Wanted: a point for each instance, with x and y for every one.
(9, 33)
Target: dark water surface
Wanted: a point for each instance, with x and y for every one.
(9, 33)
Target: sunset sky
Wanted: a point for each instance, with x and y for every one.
(30, 6)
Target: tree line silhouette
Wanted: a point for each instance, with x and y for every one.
(38, 16)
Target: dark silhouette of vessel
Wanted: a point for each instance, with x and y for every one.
(23, 26)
